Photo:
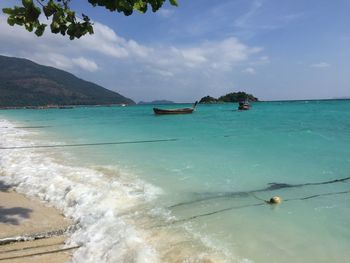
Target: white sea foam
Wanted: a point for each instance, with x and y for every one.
(104, 202)
(85, 195)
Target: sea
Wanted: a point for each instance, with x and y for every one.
(190, 188)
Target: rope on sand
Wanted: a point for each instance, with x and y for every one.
(41, 235)
(32, 247)
(41, 253)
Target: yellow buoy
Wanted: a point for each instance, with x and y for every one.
(275, 200)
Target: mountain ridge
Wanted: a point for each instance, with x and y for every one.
(26, 83)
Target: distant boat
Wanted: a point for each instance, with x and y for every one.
(244, 105)
(158, 111)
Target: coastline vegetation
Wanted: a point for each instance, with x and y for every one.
(229, 97)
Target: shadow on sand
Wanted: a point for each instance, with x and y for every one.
(12, 215)
(5, 187)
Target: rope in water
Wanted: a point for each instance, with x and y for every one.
(257, 204)
(271, 187)
(86, 144)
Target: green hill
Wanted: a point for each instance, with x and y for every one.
(237, 96)
(230, 97)
(25, 83)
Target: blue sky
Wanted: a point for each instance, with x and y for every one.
(277, 50)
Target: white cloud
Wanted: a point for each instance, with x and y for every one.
(320, 65)
(62, 61)
(107, 42)
(104, 41)
(163, 73)
(215, 55)
(138, 50)
(86, 64)
(56, 60)
(264, 59)
(57, 51)
(250, 71)
(126, 64)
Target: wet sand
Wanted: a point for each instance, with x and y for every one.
(21, 216)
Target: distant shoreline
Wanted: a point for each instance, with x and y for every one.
(305, 100)
(45, 107)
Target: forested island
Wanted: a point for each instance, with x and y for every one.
(25, 83)
(230, 97)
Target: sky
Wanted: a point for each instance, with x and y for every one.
(273, 49)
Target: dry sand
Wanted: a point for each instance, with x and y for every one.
(19, 216)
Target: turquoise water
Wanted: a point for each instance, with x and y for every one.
(217, 155)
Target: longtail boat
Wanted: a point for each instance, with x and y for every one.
(243, 105)
(158, 111)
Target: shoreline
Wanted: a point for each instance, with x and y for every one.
(73, 106)
(109, 216)
(30, 230)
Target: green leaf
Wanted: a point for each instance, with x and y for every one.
(141, 6)
(70, 16)
(33, 13)
(55, 27)
(8, 11)
(27, 3)
(64, 20)
(40, 30)
(48, 11)
(173, 2)
(29, 26)
(11, 21)
(90, 29)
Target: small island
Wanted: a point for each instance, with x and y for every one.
(230, 97)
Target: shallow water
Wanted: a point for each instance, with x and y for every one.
(200, 190)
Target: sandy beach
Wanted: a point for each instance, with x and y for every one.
(42, 227)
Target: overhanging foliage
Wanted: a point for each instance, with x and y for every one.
(63, 20)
